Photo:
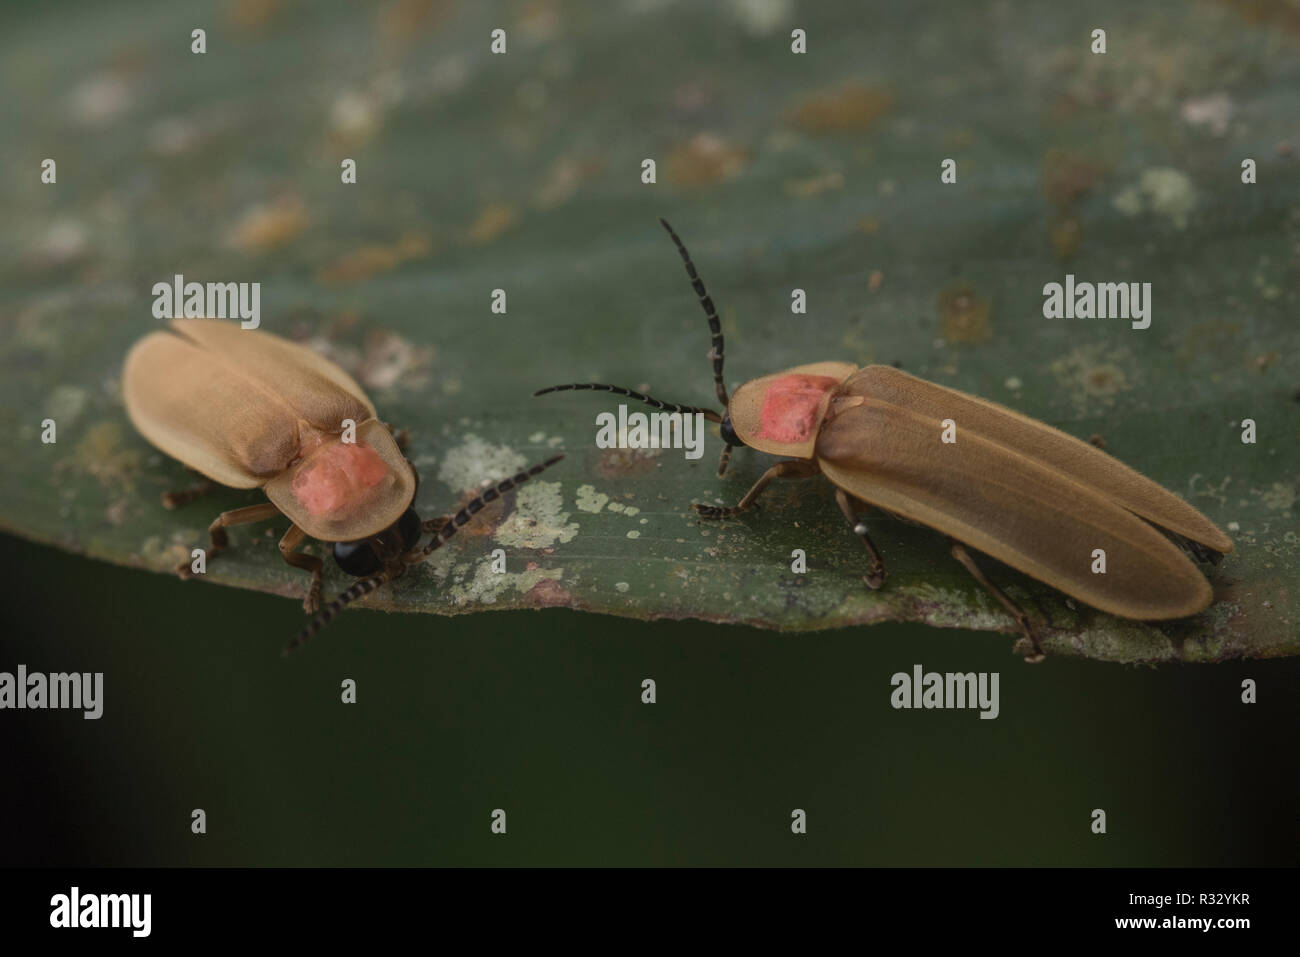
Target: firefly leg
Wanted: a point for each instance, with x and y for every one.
(309, 563)
(723, 458)
(401, 436)
(435, 524)
(1022, 620)
(875, 576)
(217, 530)
(395, 569)
(415, 472)
(187, 495)
(794, 468)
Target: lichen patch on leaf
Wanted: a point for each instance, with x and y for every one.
(1094, 374)
(538, 519)
(392, 361)
(1165, 192)
(167, 555)
(65, 404)
(589, 500)
(1280, 496)
(100, 453)
(487, 587)
(623, 463)
(476, 461)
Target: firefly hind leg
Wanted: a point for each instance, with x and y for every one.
(1022, 620)
(185, 496)
(794, 468)
(217, 530)
(875, 576)
(310, 563)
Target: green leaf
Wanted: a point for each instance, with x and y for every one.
(523, 172)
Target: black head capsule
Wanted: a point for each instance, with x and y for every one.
(366, 556)
(729, 433)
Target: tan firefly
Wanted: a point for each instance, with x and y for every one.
(1029, 495)
(247, 409)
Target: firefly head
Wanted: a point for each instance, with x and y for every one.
(729, 432)
(782, 413)
(378, 559)
(365, 556)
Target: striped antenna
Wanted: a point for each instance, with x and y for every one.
(360, 588)
(364, 586)
(475, 506)
(631, 394)
(706, 303)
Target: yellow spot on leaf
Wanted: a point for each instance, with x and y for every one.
(267, 226)
(703, 160)
(965, 315)
(854, 106)
(371, 261)
(1067, 177)
(253, 14)
(400, 21)
(1066, 234)
(814, 185)
(492, 221)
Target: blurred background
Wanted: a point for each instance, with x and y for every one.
(539, 713)
(523, 171)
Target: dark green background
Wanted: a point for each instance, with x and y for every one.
(539, 713)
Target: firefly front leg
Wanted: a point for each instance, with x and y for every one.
(401, 436)
(1022, 620)
(875, 576)
(217, 530)
(435, 524)
(310, 563)
(794, 468)
(724, 457)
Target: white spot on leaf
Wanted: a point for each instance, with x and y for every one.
(473, 462)
(538, 519)
(589, 500)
